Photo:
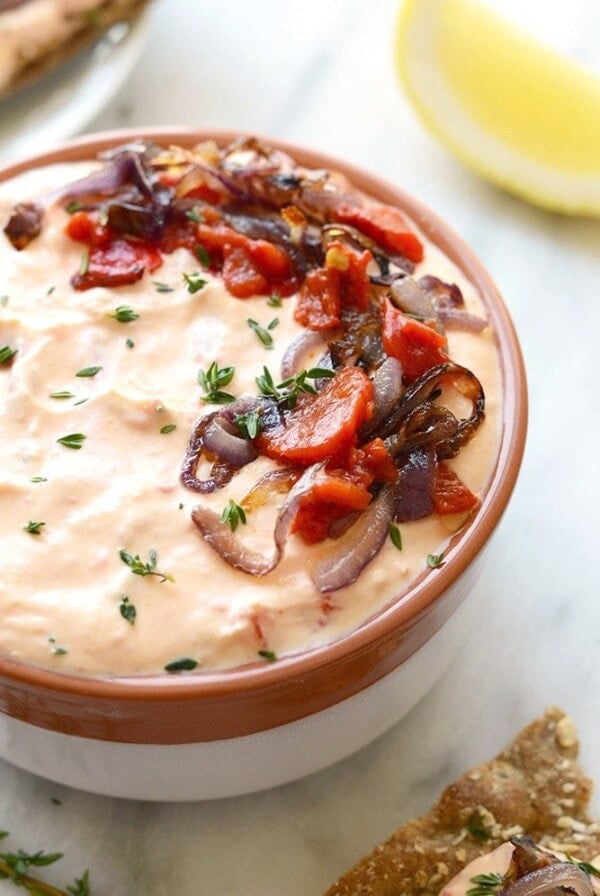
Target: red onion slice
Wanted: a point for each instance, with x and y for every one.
(553, 880)
(357, 547)
(413, 492)
(387, 386)
(411, 298)
(462, 320)
(229, 547)
(296, 352)
(221, 438)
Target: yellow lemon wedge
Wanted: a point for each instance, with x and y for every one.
(516, 112)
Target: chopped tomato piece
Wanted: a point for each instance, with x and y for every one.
(118, 264)
(417, 346)
(332, 498)
(355, 285)
(206, 194)
(450, 494)
(325, 424)
(240, 274)
(385, 225)
(319, 304)
(85, 228)
(378, 461)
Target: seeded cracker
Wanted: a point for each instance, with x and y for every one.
(535, 786)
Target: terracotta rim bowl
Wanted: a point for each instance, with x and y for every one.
(192, 708)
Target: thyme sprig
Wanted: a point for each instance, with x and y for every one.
(233, 514)
(485, 884)
(16, 866)
(7, 354)
(212, 380)
(139, 568)
(287, 392)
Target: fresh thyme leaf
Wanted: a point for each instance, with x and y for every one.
(34, 527)
(139, 568)
(81, 401)
(124, 314)
(435, 561)
(287, 391)
(81, 887)
(269, 655)
(61, 395)
(485, 884)
(50, 290)
(168, 428)
(59, 651)
(55, 801)
(586, 867)
(20, 863)
(274, 323)
(39, 479)
(212, 379)
(84, 264)
(264, 336)
(129, 343)
(127, 609)
(194, 282)
(202, 255)
(74, 440)
(233, 515)
(162, 287)
(395, 536)
(73, 206)
(249, 424)
(274, 301)
(7, 354)
(194, 214)
(88, 371)
(185, 664)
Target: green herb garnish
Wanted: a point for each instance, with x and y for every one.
(7, 354)
(264, 335)
(194, 282)
(233, 515)
(73, 206)
(129, 343)
(168, 428)
(269, 655)
(395, 536)
(124, 314)
(586, 867)
(39, 479)
(34, 527)
(61, 395)
(287, 391)
(162, 287)
(194, 214)
(139, 568)
(249, 424)
(50, 290)
(74, 440)
(16, 866)
(202, 255)
(88, 371)
(485, 884)
(435, 561)
(185, 664)
(84, 264)
(127, 609)
(212, 379)
(476, 828)
(274, 301)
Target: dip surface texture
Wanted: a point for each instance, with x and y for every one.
(65, 592)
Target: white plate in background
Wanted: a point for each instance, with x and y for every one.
(61, 104)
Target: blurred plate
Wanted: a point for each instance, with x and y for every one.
(67, 99)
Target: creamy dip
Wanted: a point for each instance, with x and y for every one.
(61, 590)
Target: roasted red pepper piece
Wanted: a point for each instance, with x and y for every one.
(319, 304)
(324, 424)
(385, 225)
(117, 264)
(262, 267)
(450, 494)
(417, 346)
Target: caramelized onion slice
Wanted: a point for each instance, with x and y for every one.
(413, 492)
(553, 880)
(462, 320)
(222, 438)
(350, 553)
(296, 352)
(230, 548)
(387, 387)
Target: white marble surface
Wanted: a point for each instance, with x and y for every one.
(321, 73)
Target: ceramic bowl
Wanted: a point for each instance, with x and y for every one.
(222, 734)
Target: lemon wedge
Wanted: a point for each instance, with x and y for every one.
(516, 112)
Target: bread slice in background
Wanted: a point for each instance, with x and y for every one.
(535, 786)
(38, 36)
